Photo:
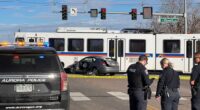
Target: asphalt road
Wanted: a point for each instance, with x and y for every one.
(111, 94)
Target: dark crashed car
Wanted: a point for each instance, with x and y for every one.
(32, 78)
(94, 65)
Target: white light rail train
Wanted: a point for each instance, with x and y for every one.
(73, 44)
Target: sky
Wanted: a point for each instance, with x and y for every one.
(45, 16)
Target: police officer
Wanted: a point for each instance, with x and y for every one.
(195, 83)
(138, 80)
(167, 87)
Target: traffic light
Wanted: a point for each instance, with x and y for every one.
(93, 12)
(134, 14)
(103, 13)
(64, 12)
(147, 12)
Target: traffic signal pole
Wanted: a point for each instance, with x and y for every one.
(103, 15)
(167, 14)
(185, 15)
(125, 13)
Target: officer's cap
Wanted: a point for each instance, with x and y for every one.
(143, 57)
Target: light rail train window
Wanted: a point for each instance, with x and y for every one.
(57, 43)
(95, 45)
(120, 48)
(111, 48)
(198, 46)
(171, 46)
(19, 39)
(189, 49)
(31, 40)
(75, 44)
(137, 45)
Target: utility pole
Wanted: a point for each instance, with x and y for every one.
(185, 15)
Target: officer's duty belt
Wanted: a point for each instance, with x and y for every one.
(173, 89)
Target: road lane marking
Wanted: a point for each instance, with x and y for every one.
(124, 96)
(183, 99)
(119, 95)
(78, 96)
(154, 93)
(182, 77)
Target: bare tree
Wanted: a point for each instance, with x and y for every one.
(177, 6)
(194, 21)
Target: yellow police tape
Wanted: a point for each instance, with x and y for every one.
(182, 77)
(97, 77)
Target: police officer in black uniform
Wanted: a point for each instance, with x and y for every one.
(167, 87)
(138, 84)
(195, 83)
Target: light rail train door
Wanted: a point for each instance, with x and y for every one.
(191, 47)
(116, 51)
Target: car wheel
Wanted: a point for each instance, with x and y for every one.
(72, 70)
(85, 65)
(89, 72)
(95, 71)
(112, 74)
(102, 74)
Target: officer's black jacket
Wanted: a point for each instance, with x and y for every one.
(195, 73)
(168, 78)
(138, 76)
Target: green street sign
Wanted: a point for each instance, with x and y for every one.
(168, 20)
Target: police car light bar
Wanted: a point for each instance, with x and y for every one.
(4, 43)
(40, 44)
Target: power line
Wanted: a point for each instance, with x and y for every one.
(81, 3)
(48, 4)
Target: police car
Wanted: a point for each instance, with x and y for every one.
(32, 78)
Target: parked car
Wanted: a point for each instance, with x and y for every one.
(32, 78)
(94, 65)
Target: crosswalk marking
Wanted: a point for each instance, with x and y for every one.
(182, 98)
(153, 93)
(77, 96)
(120, 95)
